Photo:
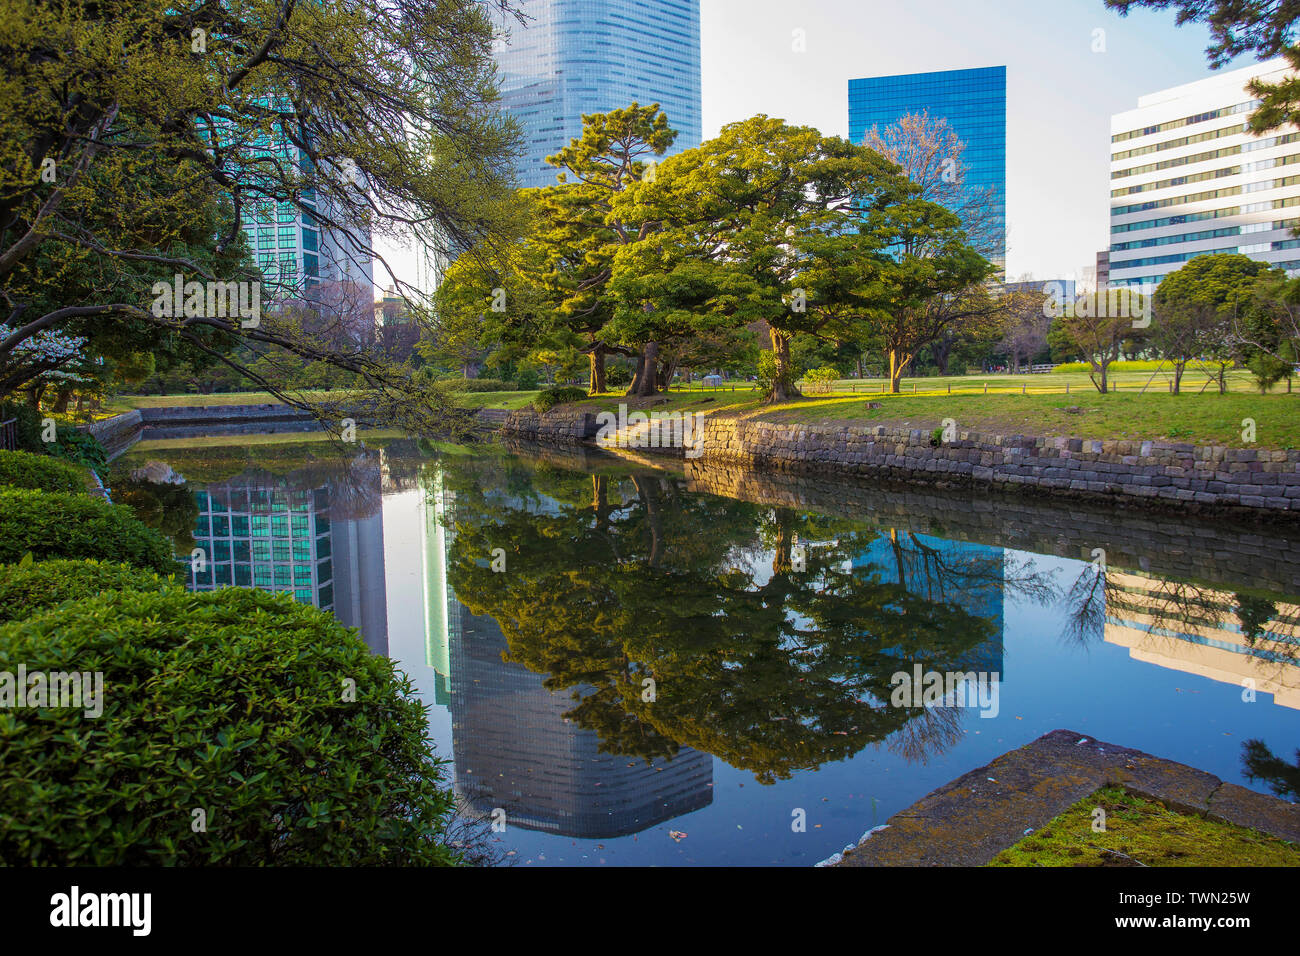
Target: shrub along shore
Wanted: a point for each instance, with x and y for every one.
(146, 725)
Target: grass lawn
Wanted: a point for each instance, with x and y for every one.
(1199, 419)
(1191, 418)
(1196, 417)
(1147, 832)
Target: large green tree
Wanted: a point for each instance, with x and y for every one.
(1198, 309)
(733, 213)
(578, 229)
(126, 132)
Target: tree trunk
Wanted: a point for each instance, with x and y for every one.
(597, 359)
(897, 364)
(647, 367)
(666, 372)
(61, 400)
(782, 551)
(783, 387)
(1178, 377)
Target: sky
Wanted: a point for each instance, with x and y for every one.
(1060, 94)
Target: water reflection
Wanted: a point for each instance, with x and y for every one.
(609, 644)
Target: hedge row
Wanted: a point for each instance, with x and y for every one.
(21, 469)
(236, 727)
(292, 741)
(50, 524)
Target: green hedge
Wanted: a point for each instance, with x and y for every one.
(60, 525)
(550, 397)
(231, 702)
(22, 469)
(480, 385)
(27, 589)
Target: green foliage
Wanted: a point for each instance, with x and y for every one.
(234, 701)
(27, 424)
(550, 397)
(168, 508)
(766, 369)
(818, 381)
(27, 589)
(527, 379)
(1123, 365)
(22, 469)
(1268, 370)
(60, 525)
(617, 375)
(80, 447)
(480, 385)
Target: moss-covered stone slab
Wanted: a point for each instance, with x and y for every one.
(969, 821)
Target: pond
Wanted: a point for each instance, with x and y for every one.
(672, 663)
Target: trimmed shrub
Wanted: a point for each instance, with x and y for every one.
(548, 398)
(480, 385)
(22, 469)
(28, 589)
(52, 524)
(818, 381)
(301, 746)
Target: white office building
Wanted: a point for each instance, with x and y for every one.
(1187, 178)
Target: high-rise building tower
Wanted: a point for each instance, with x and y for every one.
(1187, 177)
(592, 56)
(295, 252)
(974, 104)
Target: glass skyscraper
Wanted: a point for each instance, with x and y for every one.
(974, 103)
(592, 56)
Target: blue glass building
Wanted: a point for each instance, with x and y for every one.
(591, 56)
(974, 102)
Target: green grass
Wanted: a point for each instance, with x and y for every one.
(1197, 419)
(1127, 380)
(1145, 831)
(510, 401)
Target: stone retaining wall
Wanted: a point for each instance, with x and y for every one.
(1185, 477)
(1205, 475)
(118, 433)
(1223, 552)
(556, 427)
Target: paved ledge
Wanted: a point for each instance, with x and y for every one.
(974, 818)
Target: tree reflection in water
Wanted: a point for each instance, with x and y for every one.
(764, 636)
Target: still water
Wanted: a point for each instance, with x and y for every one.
(670, 663)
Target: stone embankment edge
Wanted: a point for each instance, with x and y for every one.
(1168, 475)
(120, 432)
(971, 820)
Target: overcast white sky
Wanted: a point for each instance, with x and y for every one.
(1060, 94)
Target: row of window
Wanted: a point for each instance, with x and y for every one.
(1184, 256)
(245, 575)
(1179, 161)
(1176, 200)
(279, 525)
(1183, 237)
(1180, 141)
(1175, 220)
(1186, 121)
(1177, 181)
